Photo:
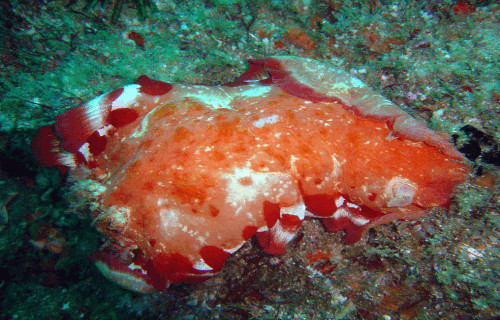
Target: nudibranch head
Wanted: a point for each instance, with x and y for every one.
(180, 176)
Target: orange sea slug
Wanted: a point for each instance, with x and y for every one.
(180, 176)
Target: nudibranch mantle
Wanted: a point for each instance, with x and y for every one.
(180, 176)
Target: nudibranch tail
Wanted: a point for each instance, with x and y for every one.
(180, 176)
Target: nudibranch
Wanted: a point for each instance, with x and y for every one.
(179, 176)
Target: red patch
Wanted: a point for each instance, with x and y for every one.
(321, 261)
(173, 266)
(318, 256)
(352, 232)
(271, 213)
(214, 256)
(322, 205)
(468, 88)
(248, 232)
(153, 87)
(137, 38)
(270, 63)
(214, 212)
(46, 147)
(79, 158)
(463, 7)
(352, 235)
(279, 45)
(97, 143)
(372, 196)
(121, 117)
(158, 281)
(290, 223)
(337, 224)
(295, 88)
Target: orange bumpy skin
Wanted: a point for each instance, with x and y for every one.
(180, 176)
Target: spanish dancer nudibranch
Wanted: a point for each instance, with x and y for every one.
(179, 176)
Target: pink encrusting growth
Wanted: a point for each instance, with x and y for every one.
(180, 176)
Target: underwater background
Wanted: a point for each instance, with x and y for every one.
(438, 60)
